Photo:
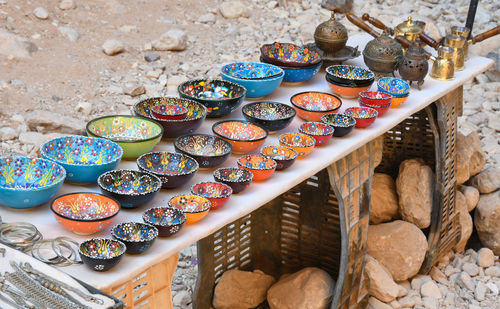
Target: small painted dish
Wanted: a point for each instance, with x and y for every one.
(379, 101)
(342, 124)
(342, 73)
(208, 150)
(237, 178)
(169, 111)
(262, 167)
(311, 105)
(364, 116)
(216, 192)
(284, 156)
(321, 132)
(101, 254)
(195, 207)
(243, 135)
(300, 74)
(394, 86)
(346, 91)
(289, 55)
(272, 116)
(167, 220)
(173, 169)
(258, 72)
(301, 143)
(138, 237)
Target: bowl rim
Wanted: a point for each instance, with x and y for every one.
(238, 140)
(273, 166)
(245, 108)
(151, 238)
(213, 182)
(202, 115)
(312, 141)
(394, 95)
(374, 111)
(351, 118)
(177, 148)
(364, 95)
(193, 98)
(191, 212)
(152, 209)
(307, 110)
(120, 243)
(379, 87)
(261, 49)
(371, 75)
(194, 169)
(156, 188)
(43, 188)
(126, 116)
(247, 172)
(261, 80)
(349, 86)
(314, 66)
(375, 106)
(83, 220)
(294, 152)
(302, 130)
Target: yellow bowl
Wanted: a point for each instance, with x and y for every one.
(299, 142)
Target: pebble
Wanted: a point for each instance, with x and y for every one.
(154, 73)
(84, 107)
(467, 281)
(493, 271)
(173, 39)
(151, 57)
(41, 13)
(207, 18)
(67, 5)
(181, 299)
(430, 289)
(135, 91)
(480, 292)
(430, 302)
(7, 133)
(232, 9)
(492, 287)
(113, 47)
(485, 257)
(69, 33)
(471, 269)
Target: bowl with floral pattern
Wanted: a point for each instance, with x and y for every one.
(262, 167)
(27, 182)
(195, 207)
(364, 116)
(167, 220)
(85, 213)
(84, 158)
(394, 86)
(377, 100)
(243, 135)
(174, 127)
(289, 55)
(311, 105)
(258, 87)
(237, 178)
(260, 71)
(301, 143)
(342, 124)
(350, 74)
(138, 237)
(300, 74)
(208, 150)
(101, 254)
(272, 116)
(169, 111)
(136, 135)
(320, 131)
(216, 192)
(284, 156)
(173, 169)
(131, 188)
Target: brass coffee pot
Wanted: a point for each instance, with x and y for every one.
(443, 67)
(414, 66)
(410, 29)
(330, 36)
(462, 31)
(457, 42)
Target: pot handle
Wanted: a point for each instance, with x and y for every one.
(361, 24)
(376, 22)
(485, 35)
(429, 41)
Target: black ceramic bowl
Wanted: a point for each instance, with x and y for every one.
(173, 169)
(138, 237)
(220, 97)
(273, 116)
(237, 178)
(284, 156)
(351, 83)
(131, 188)
(342, 124)
(207, 150)
(167, 220)
(174, 127)
(101, 254)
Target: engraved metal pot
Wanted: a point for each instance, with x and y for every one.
(410, 29)
(414, 66)
(383, 54)
(331, 35)
(443, 67)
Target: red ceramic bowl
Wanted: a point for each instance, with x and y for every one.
(311, 105)
(377, 100)
(243, 135)
(169, 111)
(364, 116)
(261, 167)
(320, 131)
(299, 142)
(217, 193)
(284, 156)
(195, 207)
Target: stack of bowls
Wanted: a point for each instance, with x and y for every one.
(377, 100)
(348, 80)
(397, 88)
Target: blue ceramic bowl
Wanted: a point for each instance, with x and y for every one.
(297, 75)
(137, 237)
(27, 182)
(84, 158)
(255, 87)
(394, 86)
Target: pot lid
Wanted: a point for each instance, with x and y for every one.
(415, 51)
(331, 30)
(411, 26)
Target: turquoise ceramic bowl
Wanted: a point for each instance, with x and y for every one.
(300, 74)
(394, 86)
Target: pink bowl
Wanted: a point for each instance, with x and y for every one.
(320, 131)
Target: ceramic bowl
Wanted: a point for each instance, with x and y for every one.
(342, 124)
(377, 100)
(255, 87)
(195, 207)
(243, 135)
(169, 111)
(220, 97)
(284, 156)
(301, 143)
(137, 237)
(351, 84)
(216, 192)
(320, 131)
(349, 74)
(237, 178)
(364, 116)
(262, 167)
(299, 75)
(347, 91)
(135, 135)
(272, 116)
(396, 101)
(167, 220)
(289, 55)
(173, 169)
(85, 213)
(208, 150)
(394, 86)
(83, 158)
(131, 188)
(177, 127)
(27, 182)
(257, 72)
(311, 105)
(101, 254)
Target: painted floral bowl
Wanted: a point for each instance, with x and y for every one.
(349, 74)
(237, 178)
(377, 100)
(85, 213)
(176, 127)
(289, 55)
(135, 135)
(262, 167)
(301, 143)
(394, 86)
(272, 116)
(173, 169)
(243, 135)
(83, 158)
(342, 124)
(220, 97)
(311, 105)
(300, 74)
(169, 111)
(195, 207)
(216, 192)
(396, 101)
(346, 91)
(131, 188)
(320, 131)
(257, 72)
(284, 156)
(167, 220)
(137, 237)
(27, 182)
(255, 87)
(101, 254)
(350, 84)
(208, 150)
(364, 115)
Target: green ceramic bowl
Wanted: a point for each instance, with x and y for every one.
(136, 135)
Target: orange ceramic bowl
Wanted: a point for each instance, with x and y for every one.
(243, 135)
(347, 91)
(396, 101)
(195, 207)
(311, 105)
(85, 213)
(299, 142)
(262, 167)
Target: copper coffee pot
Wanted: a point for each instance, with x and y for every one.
(414, 66)
(330, 36)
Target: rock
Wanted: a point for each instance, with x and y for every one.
(40, 13)
(487, 221)
(308, 288)
(32, 138)
(492, 287)
(415, 185)
(173, 39)
(154, 73)
(113, 47)
(381, 284)
(374, 303)
(384, 200)
(438, 276)
(207, 18)
(399, 246)
(395, 304)
(84, 107)
(69, 33)
(470, 157)
(466, 280)
(471, 195)
(7, 134)
(465, 221)
(232, 9)
(493, 271)
(409, 301)
(135, 91)
(485, 257)
(430, 302)
(150, 57)
(480, 292)
(14, 46)
(181, 299)
(418, 281)
(67, 5)
(487, 181)
(241, 289)
(45, 121)
(430, 289)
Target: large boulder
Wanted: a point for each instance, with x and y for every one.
(487, 221)
(399, 246)
(471, 196)
(382, 286)
(470, 157)
(464, 220)
(45, 121)
(384, 199)
(487, 181)
(415, 186)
